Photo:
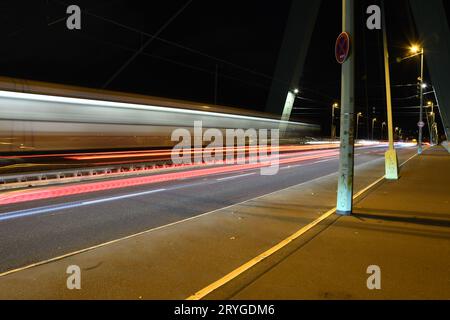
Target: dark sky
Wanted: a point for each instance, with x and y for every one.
(239, 40)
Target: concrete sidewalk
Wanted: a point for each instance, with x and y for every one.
(329, 261)
(401, 226)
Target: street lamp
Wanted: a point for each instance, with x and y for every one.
(416, 50)
(433, 126)
(383, 126)
(333, 127)
(359, 115)
(373, 127)
(422, 87)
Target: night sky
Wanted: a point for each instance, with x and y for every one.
(238, 41)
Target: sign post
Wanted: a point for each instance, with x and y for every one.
(342, 47)
(345, 56)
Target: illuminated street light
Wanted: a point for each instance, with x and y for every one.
(373, 127)
(359, 115)
(417, 50)
(414, 49)
(432, 127)
(333, 127)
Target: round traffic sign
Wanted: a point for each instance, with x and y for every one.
(421, 124)
(342, 47)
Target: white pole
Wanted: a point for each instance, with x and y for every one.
(346, 162)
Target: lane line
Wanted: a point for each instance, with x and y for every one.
(47, 209)
(326, 160)
(248, 265)
(236, 177)
(70, 254)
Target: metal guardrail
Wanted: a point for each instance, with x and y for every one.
(17, 181)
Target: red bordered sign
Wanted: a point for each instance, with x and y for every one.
(342, 47)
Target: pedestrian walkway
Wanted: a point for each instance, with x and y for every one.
(402, 227)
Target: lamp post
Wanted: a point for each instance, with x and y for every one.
(418, 51)
(373, 127)
(359, 115)
(333, 127)
(422, 86)
(383, 126)
(432, 126)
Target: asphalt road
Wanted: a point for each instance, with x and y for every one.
(38, 230)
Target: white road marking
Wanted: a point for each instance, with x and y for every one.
(326, 160)
(236, 177)
(46, 209)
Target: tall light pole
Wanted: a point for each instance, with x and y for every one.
(333, 127)
(418, 51)
(373, 127)
(432, 124)
(383, 126)
(359, 115)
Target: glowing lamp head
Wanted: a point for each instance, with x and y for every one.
(415, 49)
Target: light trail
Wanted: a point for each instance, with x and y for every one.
(62, 191)
(167, 152)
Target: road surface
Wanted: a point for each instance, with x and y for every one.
(32, 231)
